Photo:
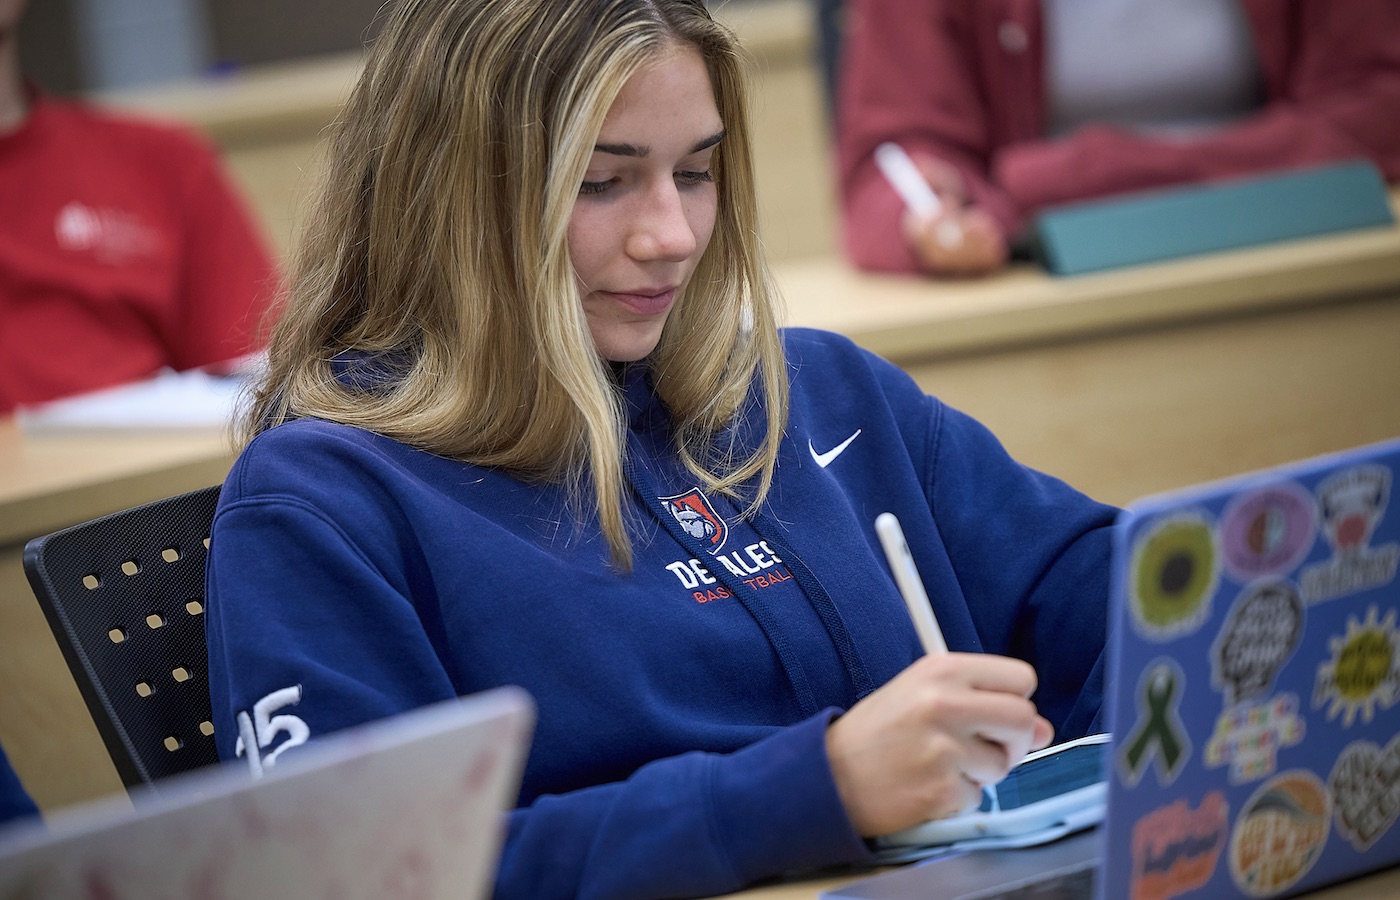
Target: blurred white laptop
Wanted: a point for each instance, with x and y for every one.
(411, 806)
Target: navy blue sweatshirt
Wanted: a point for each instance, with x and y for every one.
(14, 800)
(680, 745)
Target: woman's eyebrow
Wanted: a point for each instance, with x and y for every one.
(709, 141)
(639, 150)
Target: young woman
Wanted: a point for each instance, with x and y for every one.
(530, 420)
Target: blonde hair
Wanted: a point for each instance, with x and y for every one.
(437, 249)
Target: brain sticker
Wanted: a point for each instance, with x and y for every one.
(1279, 834)
(1268, 532)
(1175, 571)
(1364, 671)
(1365, 784)
(1258, 637)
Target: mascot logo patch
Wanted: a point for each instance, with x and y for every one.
(698, 518)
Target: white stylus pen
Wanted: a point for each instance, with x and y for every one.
(907, 180)
(899, 170)
(911, 587)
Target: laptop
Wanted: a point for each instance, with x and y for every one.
(410, 806)
(1253, 694)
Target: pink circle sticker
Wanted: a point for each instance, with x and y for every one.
(1268, 531)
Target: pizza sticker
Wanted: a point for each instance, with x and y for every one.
(1280, 833)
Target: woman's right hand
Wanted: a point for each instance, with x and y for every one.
(922, 746)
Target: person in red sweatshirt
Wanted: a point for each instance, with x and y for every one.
(124, 248)
(1010, 106)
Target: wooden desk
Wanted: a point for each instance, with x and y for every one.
(47, 483)
(1145, 379)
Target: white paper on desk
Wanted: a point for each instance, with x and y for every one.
(170, 400)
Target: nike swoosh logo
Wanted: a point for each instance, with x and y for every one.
(827, 458)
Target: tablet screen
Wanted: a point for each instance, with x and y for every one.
(1049, 776)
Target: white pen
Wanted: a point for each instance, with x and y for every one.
(911, 587)
(907, 180)
(899, 170)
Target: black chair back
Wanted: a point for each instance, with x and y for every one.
(124, 595)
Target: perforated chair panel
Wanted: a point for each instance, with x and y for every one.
(124, 595)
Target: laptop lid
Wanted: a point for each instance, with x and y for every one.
(410, 806)
(1255, 673)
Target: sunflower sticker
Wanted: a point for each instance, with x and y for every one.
(1175, 572)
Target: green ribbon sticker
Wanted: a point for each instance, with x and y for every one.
(1159, 733)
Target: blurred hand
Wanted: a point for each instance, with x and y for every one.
(962, 240)
(959, 242)
(923, 745)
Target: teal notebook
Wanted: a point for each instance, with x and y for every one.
(1151, 226)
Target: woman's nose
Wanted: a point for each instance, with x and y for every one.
(662, 228)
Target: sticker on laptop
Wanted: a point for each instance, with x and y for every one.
(1365, 784)
(1248, 736)
(1280, 833)
(1176, 848)
(1268, 531)
(1158, 738)
(1352, 503)
(1175, 571)
(1260, 633)
(1364, 670)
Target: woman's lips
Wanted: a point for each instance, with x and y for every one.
(646, 302)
